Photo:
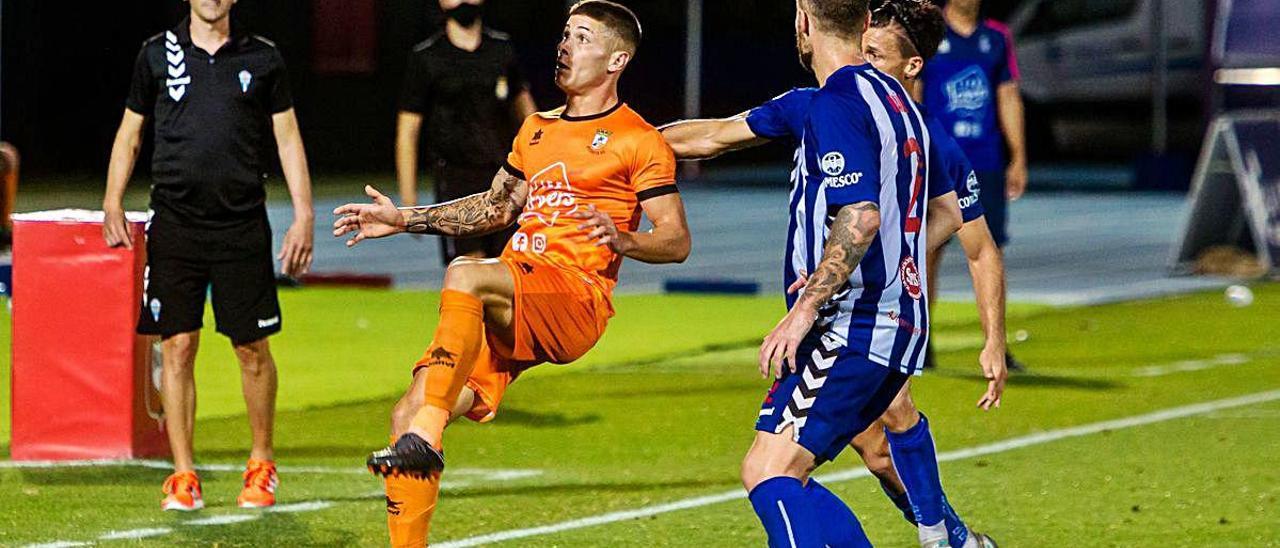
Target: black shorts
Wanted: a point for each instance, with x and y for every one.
(453, 182)
(234, 265)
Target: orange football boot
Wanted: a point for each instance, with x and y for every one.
(260, 482)
(182, 492)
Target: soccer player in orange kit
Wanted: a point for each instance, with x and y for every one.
(576, 181)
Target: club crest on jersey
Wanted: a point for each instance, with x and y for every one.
(501, 90)
(245, 78)
(600, 140)
(910, 277)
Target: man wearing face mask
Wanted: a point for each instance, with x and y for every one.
(463, 84)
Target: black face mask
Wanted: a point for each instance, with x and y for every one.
(465, 14)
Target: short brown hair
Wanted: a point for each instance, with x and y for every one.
(839, 17)
(921, 19)
(617, 17)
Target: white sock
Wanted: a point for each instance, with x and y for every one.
(933, 533)
(970, 541)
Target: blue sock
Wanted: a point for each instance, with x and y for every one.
(840, 527)
(916, 461)
(957, 531)
(903, 503)
(788, 515)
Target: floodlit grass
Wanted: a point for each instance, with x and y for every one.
(663, 410)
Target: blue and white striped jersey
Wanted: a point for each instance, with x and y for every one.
(949, 170)
(861, 140)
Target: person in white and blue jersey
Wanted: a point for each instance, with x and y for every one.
(857, 235)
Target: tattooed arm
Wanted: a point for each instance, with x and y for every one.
(854, 228)
(852, 232)
(474, 215)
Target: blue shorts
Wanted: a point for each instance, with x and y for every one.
(834, 396)
(995, 204)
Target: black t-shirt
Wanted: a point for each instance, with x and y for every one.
(464, 98)
(212, 119)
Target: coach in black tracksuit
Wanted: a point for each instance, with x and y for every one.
(464, 85)
(215, 96)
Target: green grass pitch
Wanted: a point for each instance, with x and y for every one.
(662, 411)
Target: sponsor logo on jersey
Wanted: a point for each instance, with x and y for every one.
(833, 163)
(550, 195)
(841, 181)
(910, 276)
(903, 323)
(968, 90)
(537, 138)
(975, 190)
(155, 309)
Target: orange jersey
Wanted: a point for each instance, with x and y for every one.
(612, 160)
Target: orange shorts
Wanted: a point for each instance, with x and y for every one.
(559, 315)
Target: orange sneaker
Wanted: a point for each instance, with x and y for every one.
(182, 492)
(259, 485)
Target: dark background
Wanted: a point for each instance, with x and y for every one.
(66, 68)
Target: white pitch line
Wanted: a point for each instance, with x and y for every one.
(998, 447)
(489, 474)
(310, 506)
(222, 520)
(58, 544)
(134, 534)
(1191, 365)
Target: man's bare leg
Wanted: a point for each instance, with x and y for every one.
(258, 382)
(178, 392)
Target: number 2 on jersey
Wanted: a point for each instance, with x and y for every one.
(912, 147)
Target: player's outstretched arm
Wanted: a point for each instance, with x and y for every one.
(986, 267)
(944, 220)
(474, 215)
(668, 242)
(702, 139)
(852, 232)
(124, 154)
